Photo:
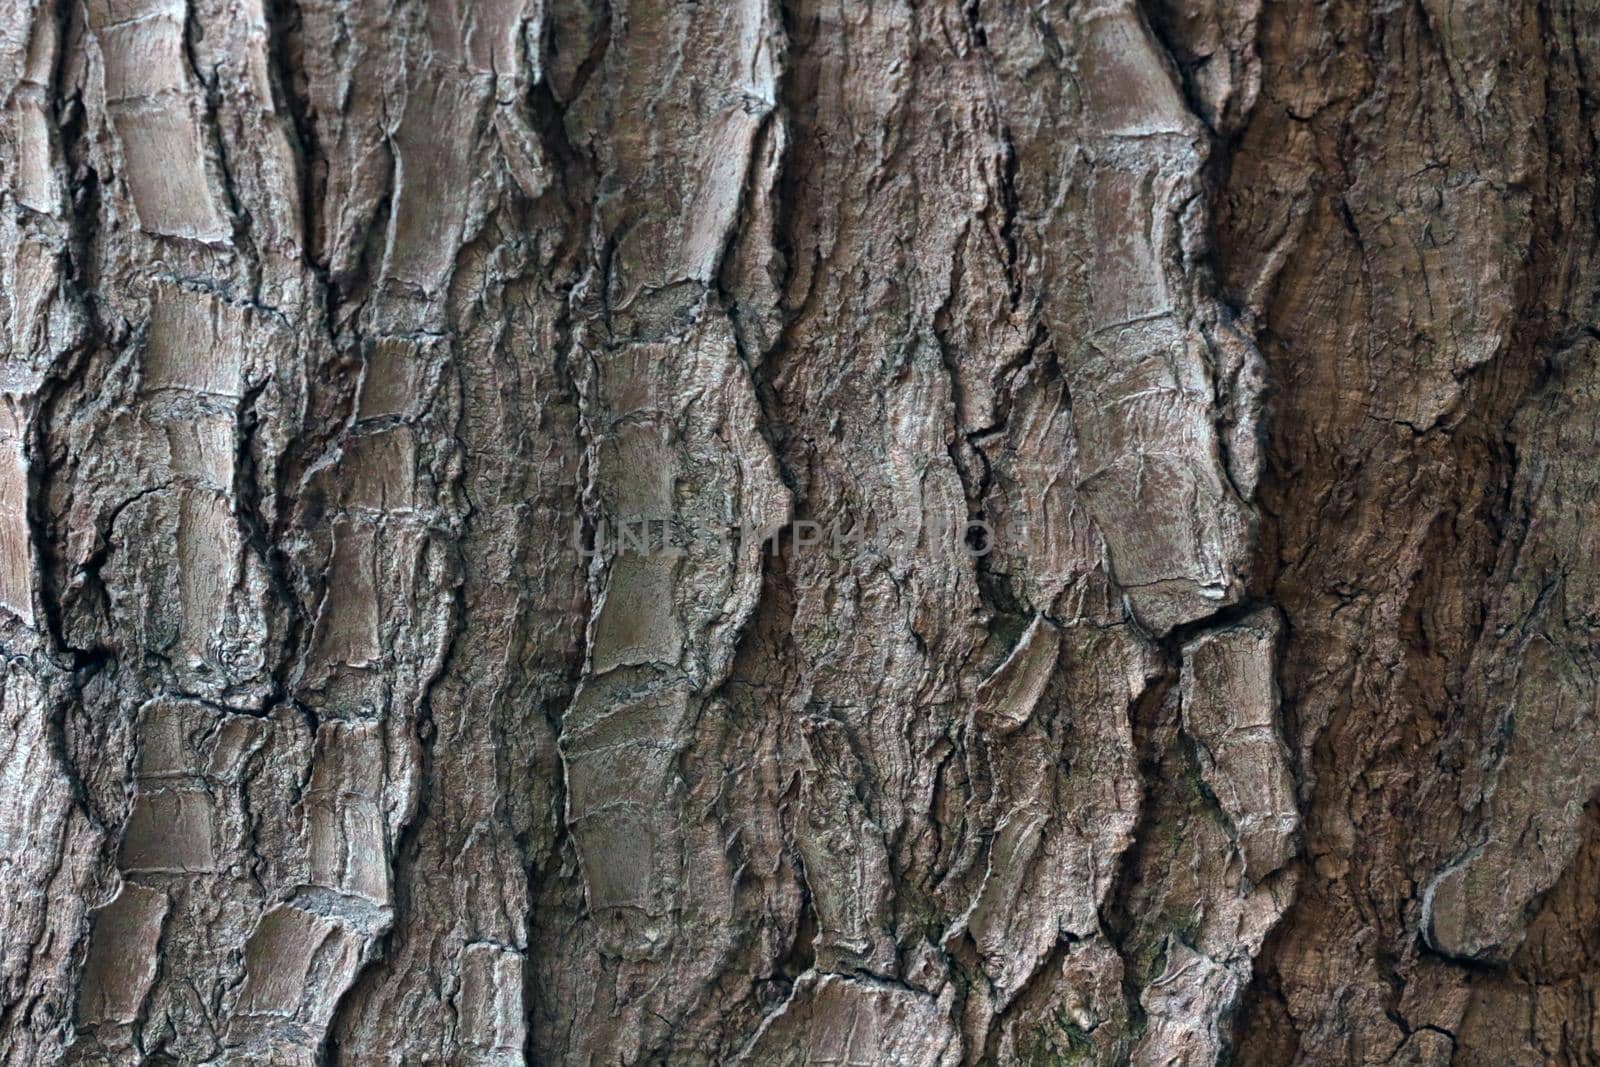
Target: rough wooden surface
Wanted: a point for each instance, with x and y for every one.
(1260, 337)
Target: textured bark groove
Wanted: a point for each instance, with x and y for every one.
(1117, 577)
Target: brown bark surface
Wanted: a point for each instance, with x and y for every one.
(1181, 424)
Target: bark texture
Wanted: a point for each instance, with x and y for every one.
(341, 337)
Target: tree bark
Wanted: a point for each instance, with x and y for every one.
(799, 532)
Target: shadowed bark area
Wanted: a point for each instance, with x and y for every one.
(801, 532)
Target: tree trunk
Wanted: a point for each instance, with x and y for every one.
(816, 532)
